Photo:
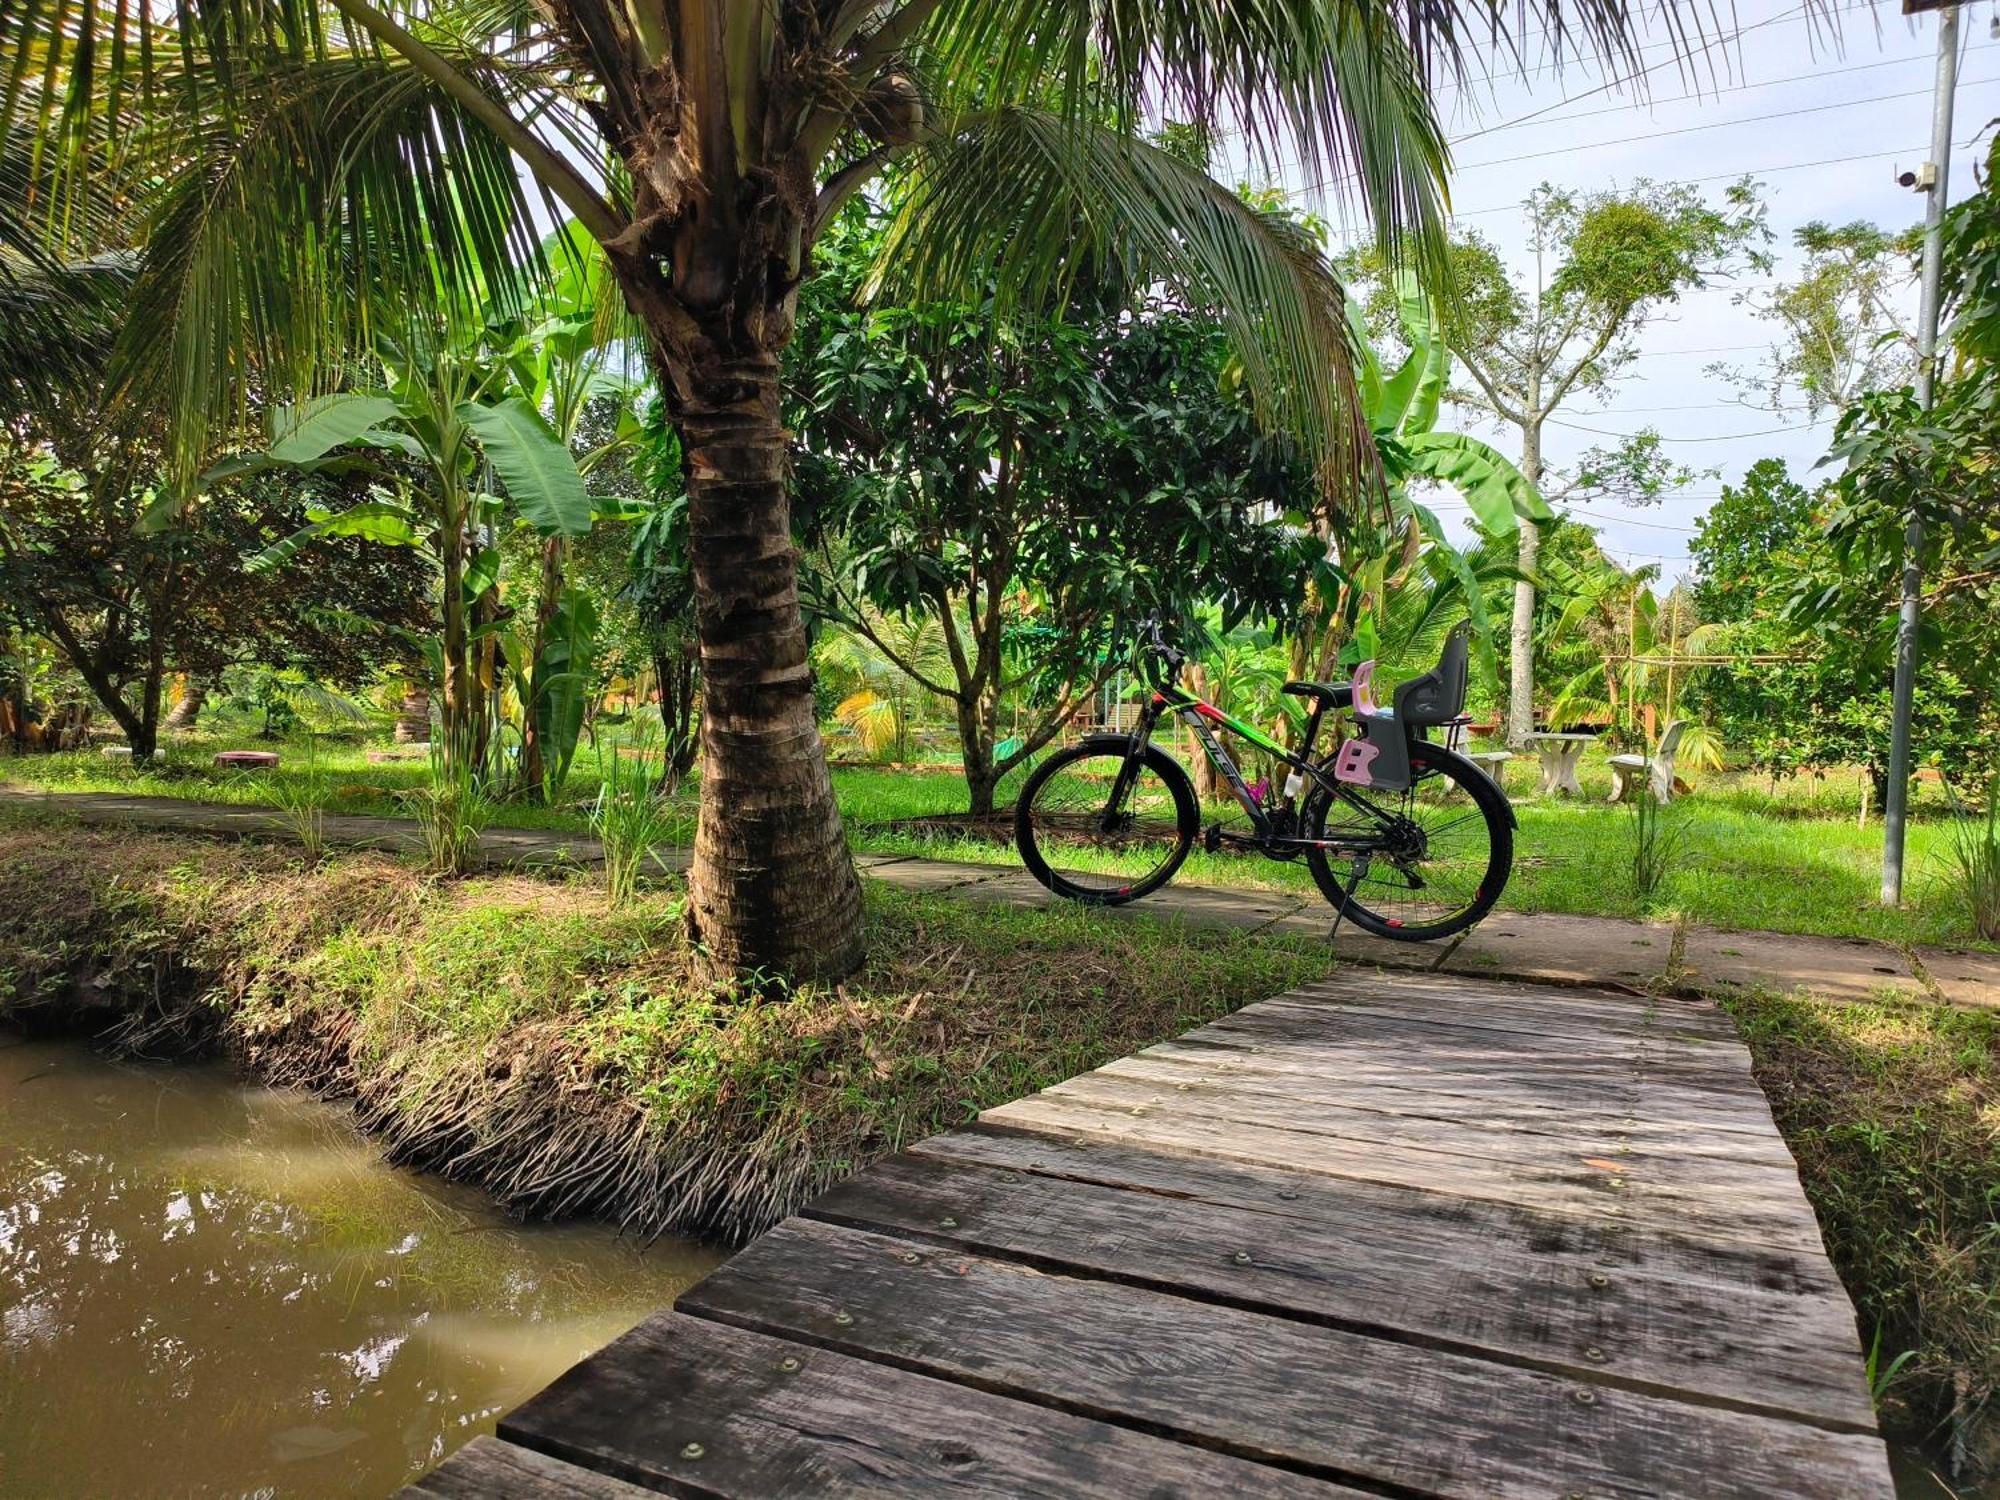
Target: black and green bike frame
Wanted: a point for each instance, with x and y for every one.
(1272, 835)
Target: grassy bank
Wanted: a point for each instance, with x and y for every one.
(1893, 1112)
(517, 1033)
(1785, 858)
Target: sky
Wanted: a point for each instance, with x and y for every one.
(1823, 122)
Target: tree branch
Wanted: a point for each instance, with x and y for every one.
(1505, 404)
(1609, 332)
(857, 617)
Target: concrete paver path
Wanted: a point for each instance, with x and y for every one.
(1543, 946)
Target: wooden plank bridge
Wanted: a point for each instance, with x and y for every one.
(1389, 1235)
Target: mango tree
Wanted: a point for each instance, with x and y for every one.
(1021, 489)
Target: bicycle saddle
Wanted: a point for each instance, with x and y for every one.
(1327, 694)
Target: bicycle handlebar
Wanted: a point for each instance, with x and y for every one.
(1156, 638)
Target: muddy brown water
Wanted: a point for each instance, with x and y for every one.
(219, 1290)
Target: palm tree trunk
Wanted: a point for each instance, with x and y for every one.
(555, 553)
(194, 697)
(458, 685)
(413, 717)
(772, 886)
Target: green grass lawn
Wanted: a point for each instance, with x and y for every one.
(1789, 858)
(1793, 860)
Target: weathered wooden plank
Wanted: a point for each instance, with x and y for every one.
(1315, 1026)
(1410, 1053)
(1238, 1380)
(1448, 996)
(1752, 1208)
(694, 1407)
(1768, 1178)
(1668, 1248)
(1503, 1127)
(486, 1467)
(1408, 1265)
(1631, 1091)
(1512, 1020)
(1577, 1117)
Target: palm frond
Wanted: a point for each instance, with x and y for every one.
(1022, 199)
(338, 197)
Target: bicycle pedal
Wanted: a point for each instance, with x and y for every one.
(1211, 838)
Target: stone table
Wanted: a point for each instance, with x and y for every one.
(1559, 754)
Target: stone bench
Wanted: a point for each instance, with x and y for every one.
(1655, 772)
(248, 760)
(1494, 764)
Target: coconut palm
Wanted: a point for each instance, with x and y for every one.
(303, 160)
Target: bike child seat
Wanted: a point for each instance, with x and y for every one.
(1379, 754)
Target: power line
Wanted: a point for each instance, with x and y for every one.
(1797, 166)
(1806, 13)
(1739, 88)
(1461, 509)
(1722, 437)
(1782, 18)
(1660, 135)
(1711, 349)
(1636, 411)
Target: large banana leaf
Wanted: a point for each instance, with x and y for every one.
(1455, 582)
(1499, 494)
(1427, 342)
(1410, 397)
(372, 521)
(539, 471)
(313, 429)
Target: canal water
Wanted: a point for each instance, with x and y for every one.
(217, 1290)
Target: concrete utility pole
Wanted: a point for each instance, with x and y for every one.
(1930, 179)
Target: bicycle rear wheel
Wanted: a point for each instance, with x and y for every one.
(1083, 837)
(1443, 849)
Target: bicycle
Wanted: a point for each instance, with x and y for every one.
(1404, 837)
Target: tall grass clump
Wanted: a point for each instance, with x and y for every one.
(301, 798)
(1656, 840)
(629, 819)
(1972, 859)
(451, 811)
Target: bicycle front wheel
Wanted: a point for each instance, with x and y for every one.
(1432, 860)
(1091, 833)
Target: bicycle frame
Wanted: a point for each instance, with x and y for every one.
(1199, 716)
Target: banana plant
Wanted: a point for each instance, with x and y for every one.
(1402, 410)
(441, 432)
(564, 356)
(1377, 563)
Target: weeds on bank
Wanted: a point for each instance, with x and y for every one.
(1972, 859)
(301, 798)
(630, 820)
(1893, 1111)
(451, 811)
(1656, 847)
(569, 1054)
